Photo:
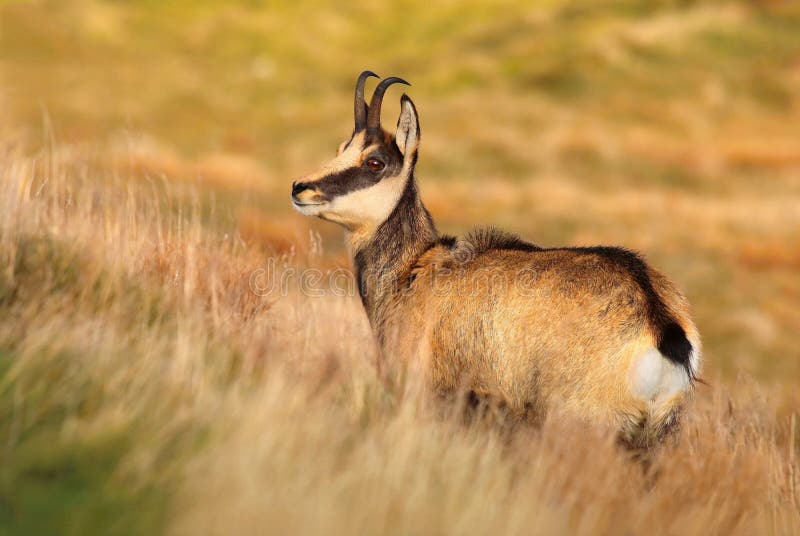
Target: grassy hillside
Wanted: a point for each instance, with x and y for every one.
(146, 387)
(146, 153)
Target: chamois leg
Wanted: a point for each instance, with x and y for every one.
(644, 435)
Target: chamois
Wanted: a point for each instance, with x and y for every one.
(591, 330)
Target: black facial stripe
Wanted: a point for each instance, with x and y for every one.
(346, 181)
(360, 177)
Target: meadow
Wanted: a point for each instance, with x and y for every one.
(146, 155)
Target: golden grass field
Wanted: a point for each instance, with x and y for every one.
(146, 155)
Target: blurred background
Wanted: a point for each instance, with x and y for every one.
(670, 127)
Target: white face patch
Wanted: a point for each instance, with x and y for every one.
(368, 207)
(656, 378)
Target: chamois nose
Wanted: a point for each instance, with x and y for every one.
(298, 187)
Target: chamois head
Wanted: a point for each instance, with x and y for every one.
(362, 185)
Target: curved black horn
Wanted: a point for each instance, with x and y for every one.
(360, 108)
(374, 114)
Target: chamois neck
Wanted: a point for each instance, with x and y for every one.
(383, 261)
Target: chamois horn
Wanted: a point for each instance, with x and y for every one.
(360, 107)
(374, 114)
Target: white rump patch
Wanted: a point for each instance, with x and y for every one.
(657, 378)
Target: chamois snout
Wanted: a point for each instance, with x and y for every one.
(304, 193)
(298, 187)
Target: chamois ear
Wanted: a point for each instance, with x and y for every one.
(407, 136)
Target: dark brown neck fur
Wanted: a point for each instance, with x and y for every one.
(384, 262)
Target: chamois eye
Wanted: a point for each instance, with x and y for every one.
(375, 165)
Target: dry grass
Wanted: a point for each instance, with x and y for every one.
(126, 317)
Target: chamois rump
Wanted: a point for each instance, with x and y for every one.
(594, 331)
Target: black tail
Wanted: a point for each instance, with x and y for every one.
(673, 344)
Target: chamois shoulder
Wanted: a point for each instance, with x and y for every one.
(485, 239)
(449, 252)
